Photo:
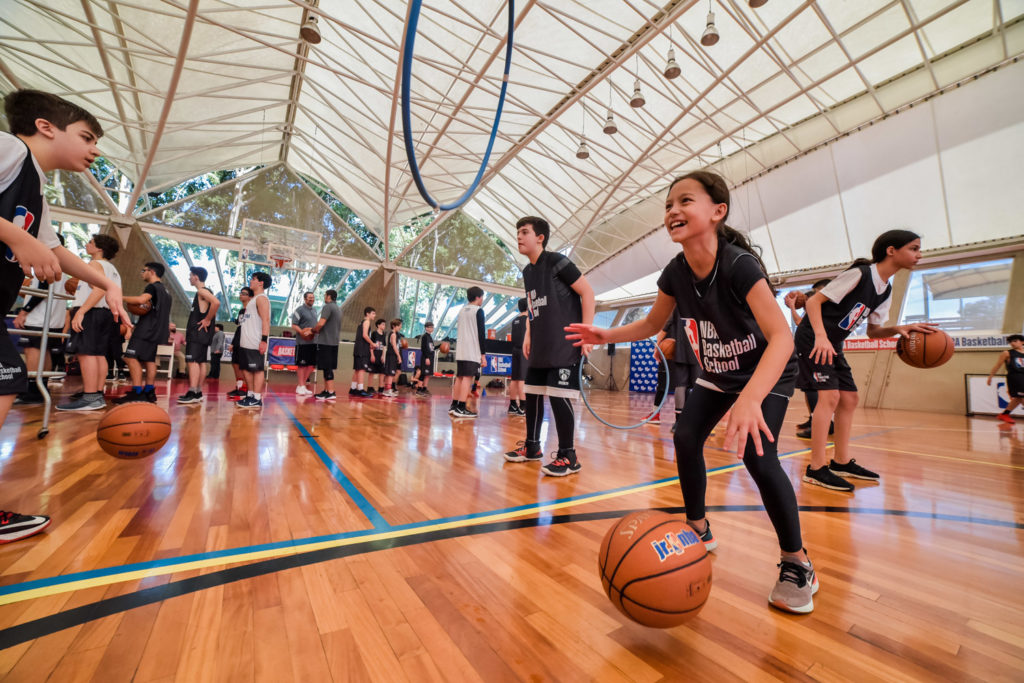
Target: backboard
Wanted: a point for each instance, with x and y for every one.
(279, 246)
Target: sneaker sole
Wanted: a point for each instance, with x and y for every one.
(851, 475)
(516, 458)
(81, 409)
(812, 480)
(31, 532)
(549, 473)
(711, 545)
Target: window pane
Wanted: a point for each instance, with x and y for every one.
(970, 297)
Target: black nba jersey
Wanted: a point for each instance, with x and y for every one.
(841, 318)
(552, 305)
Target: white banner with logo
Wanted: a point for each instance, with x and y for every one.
(985, 399)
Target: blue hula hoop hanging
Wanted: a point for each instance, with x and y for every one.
(407, 54)
(657, 411)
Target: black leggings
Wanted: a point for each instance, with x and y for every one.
(702, 411)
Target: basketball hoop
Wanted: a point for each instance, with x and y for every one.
(281, 255)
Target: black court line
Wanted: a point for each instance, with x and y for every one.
(45, 626)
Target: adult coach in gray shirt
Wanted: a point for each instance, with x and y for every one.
(216, 351)
(328, 330)
(303, 322)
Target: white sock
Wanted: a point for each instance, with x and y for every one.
(238, 384)
(360, 387)
(258, 397)
(355, 385)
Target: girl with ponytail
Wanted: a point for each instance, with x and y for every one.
(745, 353)
(863, 290)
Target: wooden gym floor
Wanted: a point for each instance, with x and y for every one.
(376, 540)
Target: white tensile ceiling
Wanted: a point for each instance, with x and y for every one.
(187, 86)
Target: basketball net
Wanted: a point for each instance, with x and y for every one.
(281, 254)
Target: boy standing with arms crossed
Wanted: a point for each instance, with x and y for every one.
(557, 296)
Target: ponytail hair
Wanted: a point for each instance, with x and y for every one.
(880, 249)
(718, 190)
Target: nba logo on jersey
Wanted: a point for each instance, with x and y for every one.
(23, 218)
(853, 317)
(693, 336)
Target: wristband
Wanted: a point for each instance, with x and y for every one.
(263, 338)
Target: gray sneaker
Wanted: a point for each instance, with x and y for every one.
(85, 402)
(794, 590)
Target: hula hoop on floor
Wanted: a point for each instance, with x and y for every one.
(407, 55)
(657, 410)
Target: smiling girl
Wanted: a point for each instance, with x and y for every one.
(745, 352)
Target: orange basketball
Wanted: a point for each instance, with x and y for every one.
(668, 347)
(404, 343)
(138, 309)
(134, 430)
(445, 347)
(800, 300)
(71, 286)
(920, 350)
(655, 569)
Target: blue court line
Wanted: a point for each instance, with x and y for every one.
(299, 543)
(376, 519)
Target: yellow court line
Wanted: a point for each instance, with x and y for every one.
(942, 457)
(272, 553)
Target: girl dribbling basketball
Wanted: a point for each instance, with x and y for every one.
(863, 290)
(745, 352)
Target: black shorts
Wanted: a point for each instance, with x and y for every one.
(35, 342)
(1015, 386)
(360, 363)
(822, 377)
(466, 368)
(558, 382)
(684, 375)
(390, 365)
(250, 360)
(377, 366)
(426, 370)
(519, 366)
(326, 357)
(13, 373)
(305, 355)
(99, 333)
(141, 349)
(196, 351)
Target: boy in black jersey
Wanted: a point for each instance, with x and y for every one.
(747, 367)
(362, 354)
(421, 377)
(1013, 359)
(47, 133)
(862, 291)
(557, 296)
(198, 333)
(379, 337)
(150, 332)
(241, 388)
(517, 379)
(392, 358)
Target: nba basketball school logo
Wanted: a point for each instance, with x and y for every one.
(693, 336)
(23, 218)
(854, 316)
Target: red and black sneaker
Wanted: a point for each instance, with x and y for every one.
(14, 527)
(237, 394)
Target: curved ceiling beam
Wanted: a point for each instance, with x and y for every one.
(391, 136)
(179, 63)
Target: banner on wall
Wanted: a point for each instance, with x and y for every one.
(497, 364)
(643, 367)
(410, 359)
(281, 353)
(988, 399)
(959, 342)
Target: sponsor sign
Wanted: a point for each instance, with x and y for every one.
(959, 342)
(988, 399)
(497, 364)
(281, 353)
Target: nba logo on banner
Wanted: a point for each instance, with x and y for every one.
(853, 317)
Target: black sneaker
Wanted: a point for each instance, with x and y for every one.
(453, 408)
(150, 395)
(564, 464)
(326, 396)
(512, 410)
(461, 413)
(14, 527)
(188, 397)
(525, 452)
(250, 403)
(806, 433)
(29, 398)
(130, 397)
(804, 425)
(245, 401)
(363, 393)
(852, 470)
(471, 414)
(825, 478)
(236, 395)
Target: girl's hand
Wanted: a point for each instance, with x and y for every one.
(76, 322)
(988, 382)
(924, 328)
(790, 300)
(526, 348)
(586, 335)
(745, 420)
(822, 353)
(588, 349)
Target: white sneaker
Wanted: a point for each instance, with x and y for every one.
(301, 390)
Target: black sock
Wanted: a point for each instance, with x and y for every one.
(565, 422)
(1006, 412)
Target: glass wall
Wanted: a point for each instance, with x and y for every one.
(970, 297)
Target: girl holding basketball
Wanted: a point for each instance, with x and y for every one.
(863, 290)
(746, 363)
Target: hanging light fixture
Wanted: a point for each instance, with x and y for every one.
(609, 123)
(638, 97)
(310, 32)
(672, 69)
(583, 152)
(754, 4)
(710, 36)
